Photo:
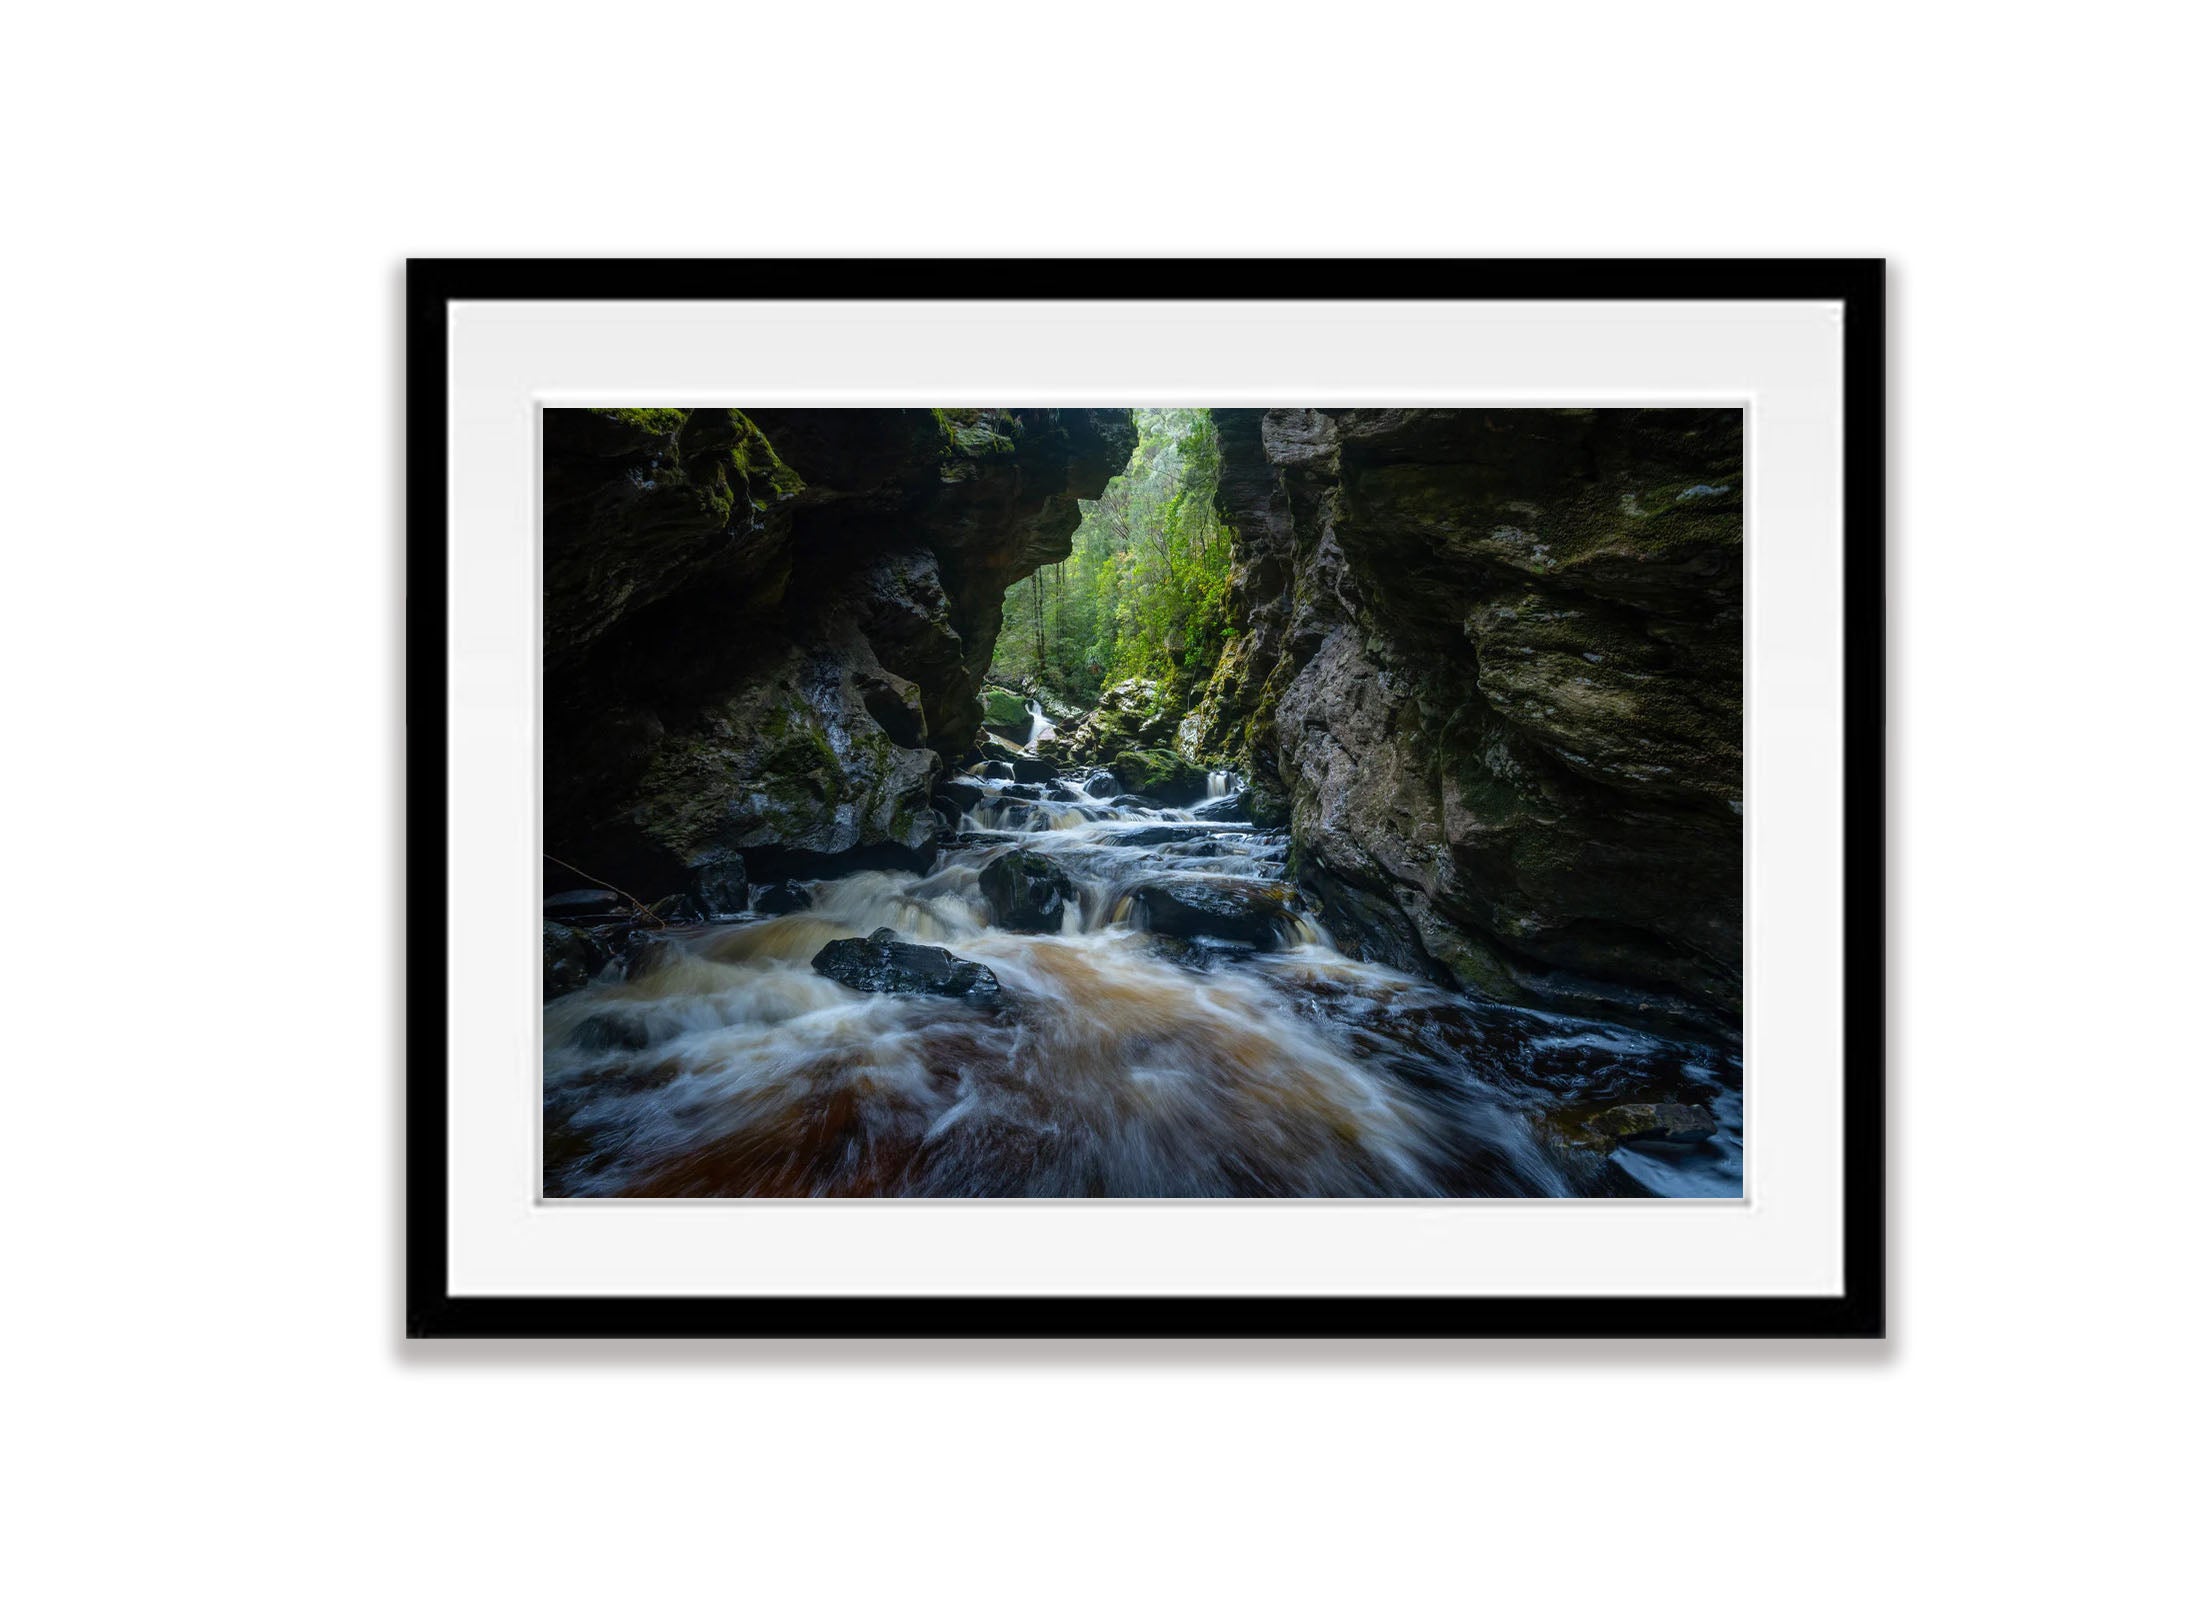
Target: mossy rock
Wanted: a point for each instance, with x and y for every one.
(1006, 714)
(1161, 775)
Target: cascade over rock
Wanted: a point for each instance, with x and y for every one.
(764, 631)
(1488, 663)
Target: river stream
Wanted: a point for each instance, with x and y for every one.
(1140, 1051)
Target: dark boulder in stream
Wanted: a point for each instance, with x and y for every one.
(722, 888)
(1026, 892)
(883, 964)
(570, 958)
(1225, 808)
(1216, 908)
(959, 793)
(776, 900)
(1160, 833)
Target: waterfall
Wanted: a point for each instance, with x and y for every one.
(1040, 726)
(1221, 783)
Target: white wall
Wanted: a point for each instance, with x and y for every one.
(207, 209)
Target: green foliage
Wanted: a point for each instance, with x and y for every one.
(1142, 593)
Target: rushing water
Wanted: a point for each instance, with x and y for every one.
(1127, 1062)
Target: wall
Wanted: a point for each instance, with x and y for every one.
(207, 1393)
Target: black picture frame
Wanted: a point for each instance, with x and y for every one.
(1858, 1312)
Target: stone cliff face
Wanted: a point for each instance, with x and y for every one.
(763, 631)
(1489, 664)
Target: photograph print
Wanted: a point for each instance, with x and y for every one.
(1162, 803)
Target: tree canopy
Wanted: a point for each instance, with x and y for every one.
(1141, 594)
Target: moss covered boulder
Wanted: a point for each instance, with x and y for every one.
(1161, 775)
(1131, 714)
(1007, 715)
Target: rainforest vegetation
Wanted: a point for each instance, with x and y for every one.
(1143, 592)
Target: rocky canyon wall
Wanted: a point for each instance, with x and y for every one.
(1488, 663)
(764, 630)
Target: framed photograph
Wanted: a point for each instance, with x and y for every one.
(1145, 798)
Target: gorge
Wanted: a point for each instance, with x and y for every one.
(1162, 803)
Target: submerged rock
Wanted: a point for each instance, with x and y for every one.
(882, 964)
(1027, 892)
(570, 958)
(646, 952)
(610, 1032)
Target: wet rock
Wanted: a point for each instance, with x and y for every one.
(570, 958)
(722, 888)
(676, 908)
(1163, 833)
(646, 952)
(961, 796)
(882, 964)
(1163, 774)
(585, 904)
(1007, 716)
(1023, 791)
(1027, 769)
(776, 900)
(1189, 907)
(1101, 784)
(1225, 808)
(1489, 662)
(609, 1031)
(1130, 714)
(1667, 1124)
(1606, 1127)
(706, 692)
(1027, 892)
(997, 771)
